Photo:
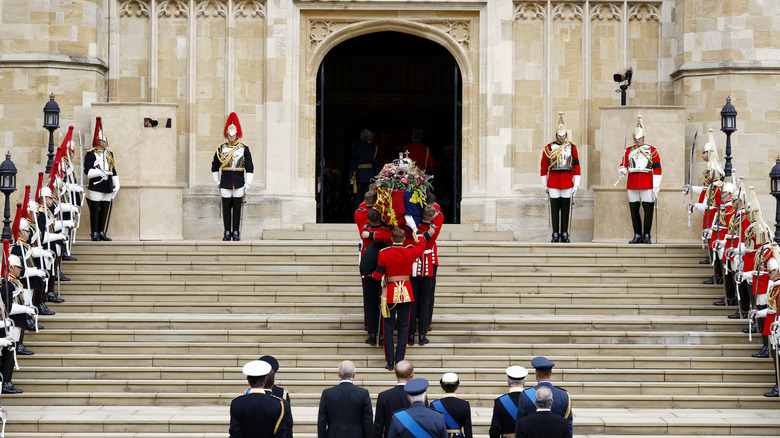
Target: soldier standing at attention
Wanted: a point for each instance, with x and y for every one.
(100, 169)
(560, 175)
(456, 411)
(364, 164)
(257, 413)
(642, 164)
(234, 160)
(505, 407)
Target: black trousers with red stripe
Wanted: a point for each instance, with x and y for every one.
(399, 313)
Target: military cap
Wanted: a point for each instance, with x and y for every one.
(416, 386)
(516, 372)
(271, 361)
(542, 363)
(449, 379)
(256, 368)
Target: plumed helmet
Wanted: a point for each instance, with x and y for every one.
(639, 132)
(709, 146)
(560, 128)
(46, 192)
(14, 261)
(40, 186)
(99, 135)
(232, 126)
(728, 187)
(772, 263)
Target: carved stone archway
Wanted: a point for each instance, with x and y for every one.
(458, 33)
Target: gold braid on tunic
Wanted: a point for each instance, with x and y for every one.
(226, 157)
(555, 155)
(771, 298)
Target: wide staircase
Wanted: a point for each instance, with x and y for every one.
(151, 340)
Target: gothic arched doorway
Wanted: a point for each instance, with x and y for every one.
(390, 83)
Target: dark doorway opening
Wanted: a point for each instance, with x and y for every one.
(390, 83)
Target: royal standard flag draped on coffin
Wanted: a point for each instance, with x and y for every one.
(401, 189)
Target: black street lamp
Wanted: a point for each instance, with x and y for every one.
(7, 186)
(728, 124)
(51, 121)
(774, 175)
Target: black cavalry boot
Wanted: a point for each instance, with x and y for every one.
(636, 222)
(772, 393)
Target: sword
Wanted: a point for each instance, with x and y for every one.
(625, 144)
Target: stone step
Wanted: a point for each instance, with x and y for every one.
(608, 276)
(349, 255)
(124, 324)
(97, 395)
(331, 291)
(350, 267)
(597, 305)
(195, 422)
(87, 300)
(318, 246)
(491, 378)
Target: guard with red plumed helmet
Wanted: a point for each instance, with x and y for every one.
(234, 161)
(100, 168)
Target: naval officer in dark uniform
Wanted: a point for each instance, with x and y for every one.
(417, 419)
(257, 414)
(456, 411)
(561, 401)
(503, 424)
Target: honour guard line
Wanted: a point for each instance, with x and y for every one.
(42, 235)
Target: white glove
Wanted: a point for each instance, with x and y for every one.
(5, 342)
(657, 185)
(622, 171)
(97, 173)
(53, 237)
(215, 175)
(35, 272)
(17, 309)
(544, 182)
(699, 206)
(115, 183)
(577, 179)
(75, 188)
(410, 222)
(67, 208)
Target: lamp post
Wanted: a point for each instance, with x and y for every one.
(774, 175)
(7, 186)
(51, 121)
(728, 124)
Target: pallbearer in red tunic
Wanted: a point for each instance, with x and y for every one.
(422, 277)
(642, 164)
(394, 268)
(373, 231)
(560, 173)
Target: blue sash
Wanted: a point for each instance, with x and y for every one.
(411, 425)
(508, 405)
(451, 423)
(531, 393)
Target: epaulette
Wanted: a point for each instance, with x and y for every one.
(387, 247)
(274, 395)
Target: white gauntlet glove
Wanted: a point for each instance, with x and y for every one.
(410, 222)
(97, 173)
(215, 175)
(577, 179)
(622, 171)
(544, 183)
(115, 183)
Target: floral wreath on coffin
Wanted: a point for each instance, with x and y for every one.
(401, 189)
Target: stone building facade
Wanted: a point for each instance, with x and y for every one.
(518, 63)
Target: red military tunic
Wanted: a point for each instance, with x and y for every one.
(375, 233)
(423, 266)
(772, 294)
(642, 180)
(761, 278)
(360, 216)
(420, 154)
(396, 261)
(561, 179)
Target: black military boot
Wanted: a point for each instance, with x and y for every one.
(555, 238)
(371, 340)
(53, 298)
(410, 339)
(565, 237)
(555, 215)
(93, 219)
(648, 225)
(636, 222)
(43, 310)
(424, 340)
(646, 239)
(772, 393)
(8, 371)
(236, 236)
(227, 236)
(22, 350)
(764, 352)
